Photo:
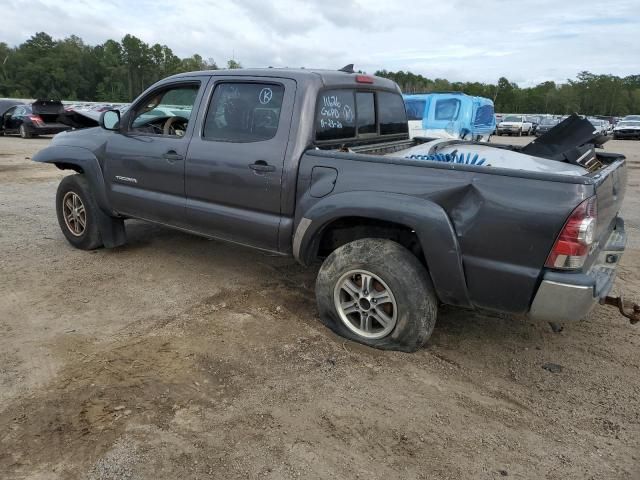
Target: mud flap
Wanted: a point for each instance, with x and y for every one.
(112, 231)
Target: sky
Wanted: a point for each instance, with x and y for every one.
(526, 41)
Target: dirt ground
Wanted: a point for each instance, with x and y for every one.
(181, 357)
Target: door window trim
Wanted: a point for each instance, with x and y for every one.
(166, 86)
(211, 93)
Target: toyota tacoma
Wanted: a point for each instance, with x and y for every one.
(319, 165)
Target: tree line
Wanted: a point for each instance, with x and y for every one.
(588, 93)
(116, 71)
(69, 69)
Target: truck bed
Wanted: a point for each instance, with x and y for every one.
(505, 221)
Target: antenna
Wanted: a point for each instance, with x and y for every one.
(347, 69)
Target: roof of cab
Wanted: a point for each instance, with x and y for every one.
(328, 77)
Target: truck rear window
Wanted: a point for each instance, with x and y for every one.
(336, 115)
(393, 117)
(344, 114)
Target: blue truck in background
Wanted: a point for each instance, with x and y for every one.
(450, 115)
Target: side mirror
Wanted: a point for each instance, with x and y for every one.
(110, 120)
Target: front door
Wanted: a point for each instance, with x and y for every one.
(145, 160)
(235, 161)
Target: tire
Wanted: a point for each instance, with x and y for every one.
(74, 193)
(410, 304)
(24, 133)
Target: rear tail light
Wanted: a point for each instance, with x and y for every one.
(37, 120)
(578, 234)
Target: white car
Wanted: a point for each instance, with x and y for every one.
(627, 129)
(600, 126)
(515, 125)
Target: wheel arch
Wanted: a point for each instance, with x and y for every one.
(84, 162)
(426, 220)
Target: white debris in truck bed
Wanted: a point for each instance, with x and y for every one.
(487, 156)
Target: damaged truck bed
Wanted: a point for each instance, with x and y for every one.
(319, 165)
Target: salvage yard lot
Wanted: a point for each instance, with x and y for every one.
(181, 357)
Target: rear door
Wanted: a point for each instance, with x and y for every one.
(14, 117)
(145, 161)
(235, 161)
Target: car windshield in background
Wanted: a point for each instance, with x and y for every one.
(512, 118)
(548, 121)
(629, 124)
(597, 123)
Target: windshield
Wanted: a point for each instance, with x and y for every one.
(512, 118)
(548, 121)
(629, 124)
(597, 123)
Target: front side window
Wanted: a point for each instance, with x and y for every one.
(447, 109)
(244, 112)
(393, 116)
(165, 112)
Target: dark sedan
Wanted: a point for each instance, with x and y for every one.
(545, 125)
(39, 118)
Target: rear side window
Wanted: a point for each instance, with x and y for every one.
(447, 109)
(415, 109)
(393, 117)
(366, 113)
(243, 112)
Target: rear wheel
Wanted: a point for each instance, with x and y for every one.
(376, 292)
(24, 133)
(77, 213)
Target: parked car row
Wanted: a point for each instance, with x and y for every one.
(519, 124)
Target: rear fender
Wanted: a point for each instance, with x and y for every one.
(429, 221)
(112, 229)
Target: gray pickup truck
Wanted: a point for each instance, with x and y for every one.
(312, 164)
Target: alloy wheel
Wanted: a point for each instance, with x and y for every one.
(365, 304)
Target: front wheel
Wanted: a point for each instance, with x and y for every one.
(77, 213)
(376, 292)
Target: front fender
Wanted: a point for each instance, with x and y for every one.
(79, 159)
(429, 221)
(112, 230)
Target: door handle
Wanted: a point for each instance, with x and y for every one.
(172, 156)
(262, 166)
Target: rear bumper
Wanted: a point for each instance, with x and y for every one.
(571, 296)
(49, 129)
